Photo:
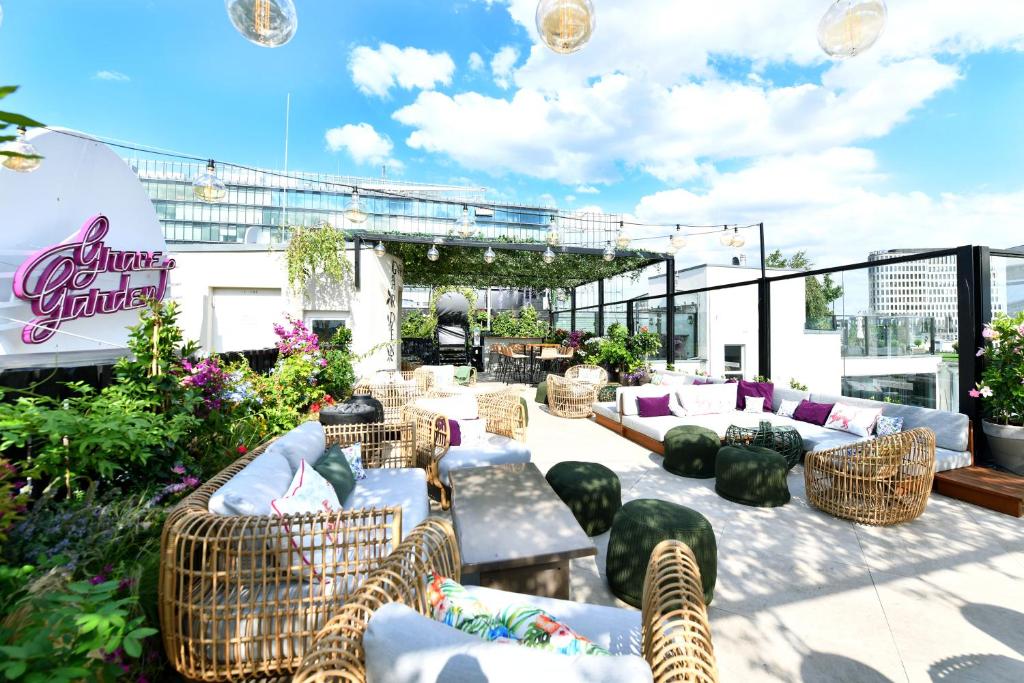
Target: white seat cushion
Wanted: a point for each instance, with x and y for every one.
(607, 409)
(403, 646)
(493, 449)
(250, 491)
(946, 459)
(453, 407)
(393, 487)
(305, 442)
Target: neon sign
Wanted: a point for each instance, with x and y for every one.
(59, 282)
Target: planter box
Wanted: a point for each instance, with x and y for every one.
(1007, 445)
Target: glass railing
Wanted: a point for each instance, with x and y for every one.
(868, 336)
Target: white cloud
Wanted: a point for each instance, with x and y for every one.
(502, 66)
(588, 189)
(570, 198)
(363, 144)
(107, 75)
(476, 62)
(376, 72)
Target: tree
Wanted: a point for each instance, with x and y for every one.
(820, 294)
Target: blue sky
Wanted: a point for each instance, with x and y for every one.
(675, 112)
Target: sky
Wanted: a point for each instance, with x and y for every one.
(678, 111)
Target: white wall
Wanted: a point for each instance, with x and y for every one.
(245, 271)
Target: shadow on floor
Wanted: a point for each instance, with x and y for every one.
(1005, 625)
(977, 668)
(822, 666)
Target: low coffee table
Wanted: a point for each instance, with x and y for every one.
(514, 531)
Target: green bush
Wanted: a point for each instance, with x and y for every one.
(525, 323)
(1002, 382)
(418, 325)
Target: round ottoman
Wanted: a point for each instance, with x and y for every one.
(642, 524)
(690, 451)
(353, 412)
(607, 393)
(752, 475)
(591, 491)
(542, 393)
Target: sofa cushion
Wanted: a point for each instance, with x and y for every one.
(787, 408)
(857, 420)
(946, 459)
(250, 491)
(462, 407)
(745, 389)
(334, 467)
(951, 429)
(625, 397)
(653, 406)
(828, 438)
(453, 606)
(309, 493)
(781, 394)
(305, 442)
(493, 449)
(472, 431)
(393, 487)
(609, 410)
(708, 399)
(887, 426)
(812, 412)
(403, 646)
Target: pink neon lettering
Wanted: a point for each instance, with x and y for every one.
(58, 281)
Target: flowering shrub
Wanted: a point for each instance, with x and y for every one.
(298, 339)
(1002, 382)
(208, 378)
(12, 502)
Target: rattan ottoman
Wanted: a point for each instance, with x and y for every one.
(784, 440)
(642, 524)
(591, 490)
(752, 475)
(690, 451)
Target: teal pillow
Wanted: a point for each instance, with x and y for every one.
(333, 466)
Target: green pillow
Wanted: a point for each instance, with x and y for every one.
(334, 467)
(462, 374)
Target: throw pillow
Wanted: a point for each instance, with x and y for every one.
(700, 381)
(309, 493)
(472, 431)
(533, 627)
(755, 404)
(653, 406)
(853, 419)
(354, 455)
(711, 399)
(333, 466)
(787, 408)
(452, 604)
(765, 390)
(812, 413)
(887, 426)
(590, 375)
(454, 430)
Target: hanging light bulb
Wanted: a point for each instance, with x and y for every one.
(267, 23)
(671, 250)
(726, 237)
(622, 239)
(208, 187)
(380, 250)
(354, 210)
(549, 256)
(28, 159)
(850, 27)
(679, 239)
(433, 254)
(737, 239)
(609, 252)
(466, 223)
(565, 26)
(554, 237)
(489, 256)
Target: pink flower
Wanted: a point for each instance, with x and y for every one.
(981, 351)
(974, 393)
(1020, 329)
(178, 469)
(242, 450)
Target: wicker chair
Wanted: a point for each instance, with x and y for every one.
(394, 391)
(882, 482)
(676, 639)
(571, 398)
(575, 371)
(505, 416)
(232, 605)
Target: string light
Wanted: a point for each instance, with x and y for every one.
(554, 237)
(28, 159)
(622, 238)
(354, 210)
(850, 27)
(565, 26)
(433, 254)
(726, 238)
(466, 223)
(737, 239)
(267, 23)
(208, 187)
(380, 250)
(549, 256)
(609, 252)
(679, 239)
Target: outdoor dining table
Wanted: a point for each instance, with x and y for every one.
(532, 352)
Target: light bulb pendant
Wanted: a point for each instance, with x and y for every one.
(549, 256)
(23, 156)
(678, 239)
(208, 187)
(489, 256)
(466, 223)
(380, 250)
(850, 27)
(433, 254)
(267, 23)
(565, 26)
(609, 252)
(354, 212)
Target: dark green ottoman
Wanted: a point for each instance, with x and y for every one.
(752, 475)
(591, 491)
(642, 524)
(690, 451)
(607, 393)
(542, 393)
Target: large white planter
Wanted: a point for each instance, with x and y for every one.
(1007, 445)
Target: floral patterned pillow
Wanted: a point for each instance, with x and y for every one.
(451, 604)
(852, 419)
(533, 627)
(354, 455)
(887, 426)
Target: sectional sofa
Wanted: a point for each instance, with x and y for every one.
(717, 411)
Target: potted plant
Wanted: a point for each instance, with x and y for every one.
(1002, 390)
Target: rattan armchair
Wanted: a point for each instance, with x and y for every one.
(505, 416)
(571, 398)
(575, 371)
(237, 601)
(394, 391)
(676, 638)
(883, 481)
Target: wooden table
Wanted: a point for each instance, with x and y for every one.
(514, 531)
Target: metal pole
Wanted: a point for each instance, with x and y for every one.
(670, 310)
(764, 315)
(572, 314)
(600, 308)
(974, 309)
(356, 277)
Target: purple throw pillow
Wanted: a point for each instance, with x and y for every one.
(653, 406)
(454, 432)
(813, 413)
(754, 390)
(700, 381)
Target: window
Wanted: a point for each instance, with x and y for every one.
(734, 360)
(324, 328)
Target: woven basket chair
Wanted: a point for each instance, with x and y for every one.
(881, 482)
(676, 639)
(574, 373)
(571, 398)
(236, 602)
(393, 395)
(503, 411)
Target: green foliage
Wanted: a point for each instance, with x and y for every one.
(794, 384)
(156, 347)
(819, 294)
(316, 251)
(418, 325)
(12, 501)
(339, 376)
(1002, 381)
(525, 323)
(9, 120)
(644, 344)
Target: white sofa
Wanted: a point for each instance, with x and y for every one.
(952, 430)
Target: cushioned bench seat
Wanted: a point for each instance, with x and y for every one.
(491, 449)
(608, 409)
(391, 487)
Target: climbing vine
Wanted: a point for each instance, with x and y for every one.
(316, 251)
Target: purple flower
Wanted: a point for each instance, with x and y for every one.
(178, 469)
